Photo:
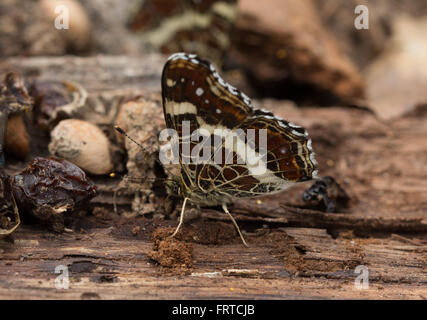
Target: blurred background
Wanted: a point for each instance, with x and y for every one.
(306, 51)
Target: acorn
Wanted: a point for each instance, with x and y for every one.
(78, 31)
(82, 143)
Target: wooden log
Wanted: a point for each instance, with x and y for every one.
(109, 264)
(294, 252)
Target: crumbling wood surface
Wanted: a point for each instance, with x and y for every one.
(294, 252)
(106, 265)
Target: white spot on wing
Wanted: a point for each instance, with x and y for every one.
(179, 55)
(232, 89)
(199, 91)
(222, 82)
(312, 157)
(314, 173)
(293, 125)
(246, 99)
(298, 133)
(309, 146)
(283, 125)
(170, 82)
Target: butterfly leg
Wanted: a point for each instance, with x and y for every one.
(224, 207)
(181, 219)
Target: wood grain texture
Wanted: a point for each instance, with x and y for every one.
(295, 252)
(103, 266)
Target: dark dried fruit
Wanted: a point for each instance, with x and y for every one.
(326, 195)
(50, 187)
(9, 216)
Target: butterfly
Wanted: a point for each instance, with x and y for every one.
(196, 99)
(203, 27)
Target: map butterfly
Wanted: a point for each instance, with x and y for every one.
(194, 93)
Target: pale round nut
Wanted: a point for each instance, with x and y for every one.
(82, 143)
(78, 32)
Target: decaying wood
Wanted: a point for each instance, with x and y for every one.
(103, 73)
(295, 252)
(280, 213)
(106, 264)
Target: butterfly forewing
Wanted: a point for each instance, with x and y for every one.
(192, 88)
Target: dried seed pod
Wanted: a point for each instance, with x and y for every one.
(9, 215)
(50, 187)
(55, 101)
(14, 99)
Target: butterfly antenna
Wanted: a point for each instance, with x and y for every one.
(123, 132)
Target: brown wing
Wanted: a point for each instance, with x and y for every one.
(193, 91)
(290, 154)
(194, 94)
(192, 88)
(289, 158)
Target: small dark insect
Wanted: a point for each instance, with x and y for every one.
(326, 195)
